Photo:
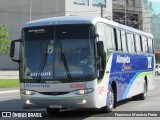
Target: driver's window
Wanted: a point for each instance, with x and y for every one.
(101, 63)
(101, 28)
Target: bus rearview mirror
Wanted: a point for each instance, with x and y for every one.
(100, 49)
(13, 49)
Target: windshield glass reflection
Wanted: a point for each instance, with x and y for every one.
(58, 53)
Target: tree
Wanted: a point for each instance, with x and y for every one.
(4, 42)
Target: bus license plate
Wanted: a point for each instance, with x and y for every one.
(55, 106)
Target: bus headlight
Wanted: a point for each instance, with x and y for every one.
(83, 91)
(27, 92)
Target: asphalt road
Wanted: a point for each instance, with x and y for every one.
(12, 102)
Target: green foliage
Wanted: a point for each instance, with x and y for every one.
(9, 83)
(4, 42)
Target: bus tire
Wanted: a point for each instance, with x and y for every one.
(144, 94)
(52, 110)
(112, 101)
(134, 98)
(156, 73)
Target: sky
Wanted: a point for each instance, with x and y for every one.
(155, 6)
(154, 1)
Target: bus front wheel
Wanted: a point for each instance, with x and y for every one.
(112, 101)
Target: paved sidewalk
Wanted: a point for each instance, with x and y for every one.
(9, 74)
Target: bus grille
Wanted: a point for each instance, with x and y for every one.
(54, 93)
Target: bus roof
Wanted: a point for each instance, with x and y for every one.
(81, 20)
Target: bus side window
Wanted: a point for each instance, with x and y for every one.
(119, 40)
(138, 44)
(129, 42)
(101, 31)
(147, 47)
(114, 38)
(110, 38)
(141, 45)
(144, 44)
(150, 45)
(124, 42)
(133, 43)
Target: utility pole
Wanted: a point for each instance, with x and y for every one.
(30, 12)
(125, 7)
(101, 10)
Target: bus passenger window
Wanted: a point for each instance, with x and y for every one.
(132, 43)
(114, 38)
(147, 49)
(110, 39)
(124, 43)
(138, 44)
(150, 45)
(129, 42)
(144, 44)
(119, 40)
(141, 43)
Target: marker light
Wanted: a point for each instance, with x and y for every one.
(83, 91)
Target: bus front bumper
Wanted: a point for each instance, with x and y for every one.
(61, 101)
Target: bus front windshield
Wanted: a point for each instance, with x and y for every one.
(60, 53)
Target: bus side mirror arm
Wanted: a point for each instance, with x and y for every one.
(12, 49)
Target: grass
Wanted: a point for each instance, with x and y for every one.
(9, 83)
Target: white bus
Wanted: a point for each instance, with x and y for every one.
(83, 62)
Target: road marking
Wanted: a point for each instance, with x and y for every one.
(9, 91)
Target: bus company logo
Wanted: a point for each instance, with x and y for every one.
(123, 60)
(101, 89)
(36, 31)
(30, 85)
(149, 62)
(77, 85)
(40, 74)
(126, 67)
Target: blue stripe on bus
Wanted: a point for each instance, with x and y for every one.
(129, 85)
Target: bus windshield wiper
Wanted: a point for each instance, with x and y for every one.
(66, 65)
(41, 67)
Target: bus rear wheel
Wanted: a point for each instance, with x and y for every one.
(156, 73)
(144, 94)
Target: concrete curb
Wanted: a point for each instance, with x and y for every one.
(8, 91)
